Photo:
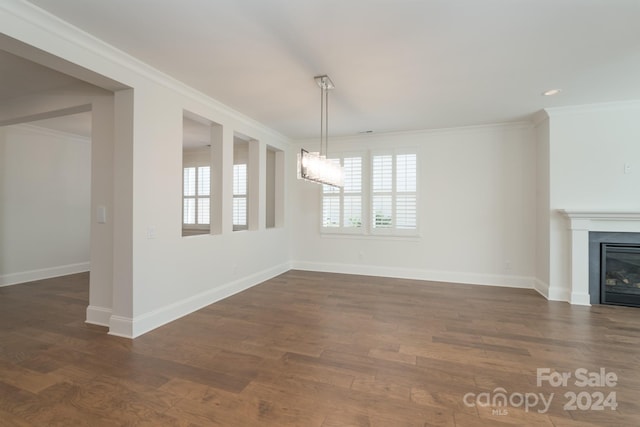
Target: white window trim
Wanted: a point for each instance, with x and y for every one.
(367, 231)
(196, 197)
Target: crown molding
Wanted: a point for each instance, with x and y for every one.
(520, 125)
(539, 117)
(592, 108)
(50, 132)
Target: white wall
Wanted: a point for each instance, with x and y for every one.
(172, 275)
(477, 211)
(45, 178)
(589, 147)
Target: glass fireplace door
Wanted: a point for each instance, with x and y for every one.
(620, 274)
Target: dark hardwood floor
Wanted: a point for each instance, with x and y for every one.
(313, 349)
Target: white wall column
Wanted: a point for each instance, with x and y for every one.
(256, 175)
(217, 150)
(580, 262)
(226, 201)
(101, 215)
(121, 321)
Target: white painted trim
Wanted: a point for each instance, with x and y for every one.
(539, 117)
(541, 287)
(120, 326)
(342, 233)
(581, 222)
(51, 132)
(522, 282)
(580, 298)
(98, 315)
(600, 215)
(132, 328)
(557, 294)
(592, 108)
(551, 294)
(437, 131)
(43, 273)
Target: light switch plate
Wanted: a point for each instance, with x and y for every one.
(101, 215)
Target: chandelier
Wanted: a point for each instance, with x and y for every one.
(314, 166)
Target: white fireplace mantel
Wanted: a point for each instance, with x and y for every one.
(581, 223)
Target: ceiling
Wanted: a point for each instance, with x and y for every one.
(396, 64)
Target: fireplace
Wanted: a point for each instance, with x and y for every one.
(614, 268)
(588, 230)
(620, 274)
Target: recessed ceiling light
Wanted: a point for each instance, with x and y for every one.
(551, 92)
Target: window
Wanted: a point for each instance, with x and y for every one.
(406, 195)
(382, 200)
(201, 176)
(394, 195)
(196, 192)
(342, 208)
(240, 197)
(352, 192)
(331, 204)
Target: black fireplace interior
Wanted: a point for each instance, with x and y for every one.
(620, 274)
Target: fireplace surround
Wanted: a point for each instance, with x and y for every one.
(589, 229)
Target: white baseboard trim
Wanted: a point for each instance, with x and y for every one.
(120, 326)
(541, 287)
(132, 328)
(417, 274)
(556, 294)
(98, 315)
(551, 294)
(579, 298)
(43, 273)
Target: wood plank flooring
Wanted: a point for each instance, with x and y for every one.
(316, 350)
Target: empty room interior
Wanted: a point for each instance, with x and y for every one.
(319, 213)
